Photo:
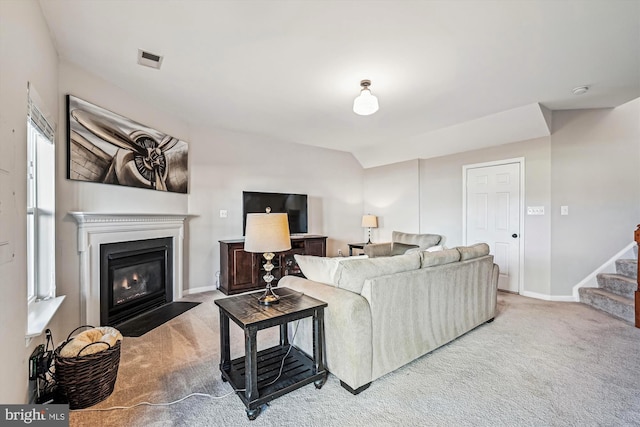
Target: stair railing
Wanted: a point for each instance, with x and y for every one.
(637, 239)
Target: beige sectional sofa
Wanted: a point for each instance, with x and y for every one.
(385, 312)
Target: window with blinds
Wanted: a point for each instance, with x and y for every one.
(40, 206)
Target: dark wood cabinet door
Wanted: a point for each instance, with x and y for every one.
(244, 273)
(238, 271)
(316, 247)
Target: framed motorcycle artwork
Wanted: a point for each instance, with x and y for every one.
(108, 148)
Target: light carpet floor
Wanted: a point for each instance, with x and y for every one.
(539, 363)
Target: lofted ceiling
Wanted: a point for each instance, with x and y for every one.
(450, 76)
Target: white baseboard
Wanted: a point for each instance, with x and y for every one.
(608, 267)
(560, 298)
(199, 290)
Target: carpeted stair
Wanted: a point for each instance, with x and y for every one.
(615, 292)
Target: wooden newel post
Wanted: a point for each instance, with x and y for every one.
(637, 239)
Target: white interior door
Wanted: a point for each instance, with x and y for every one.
(493, 217)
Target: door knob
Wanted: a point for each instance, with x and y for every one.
(514, 235)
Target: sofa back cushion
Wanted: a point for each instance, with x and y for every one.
(352, 274)
(422, 240)
(445, 256)
(473, 251)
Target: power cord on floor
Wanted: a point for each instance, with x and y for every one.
(195, 394)
(154, 404)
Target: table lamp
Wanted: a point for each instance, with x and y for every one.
(267, 233)
(370, 221)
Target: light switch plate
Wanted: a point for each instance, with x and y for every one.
(535, 210)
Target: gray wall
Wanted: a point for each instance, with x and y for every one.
(223, 164)
(392, 193)
(594, 171)
(441, 201)
(27, 55)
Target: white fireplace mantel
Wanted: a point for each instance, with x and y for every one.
(95, 229)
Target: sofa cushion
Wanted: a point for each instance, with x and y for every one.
(398, 248)
(422, 240)
(351, 275)
(374, 250)
(445, 256)
(321, 269)
(473, 251)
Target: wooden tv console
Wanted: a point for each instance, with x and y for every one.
(242, 271)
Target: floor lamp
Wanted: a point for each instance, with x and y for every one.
(267, 233)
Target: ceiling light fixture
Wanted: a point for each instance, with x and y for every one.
(580, 90)
(365, 104)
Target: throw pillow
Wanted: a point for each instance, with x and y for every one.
(473, 251)
(435, 248)
(321, 269)
(316, 268)
(446, 256)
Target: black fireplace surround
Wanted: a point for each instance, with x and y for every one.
(135, 277)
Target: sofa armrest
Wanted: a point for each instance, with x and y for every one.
(373, 250)
(347, 325)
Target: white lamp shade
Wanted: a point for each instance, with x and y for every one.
(267, 232)
(365, 104)
(370, 221)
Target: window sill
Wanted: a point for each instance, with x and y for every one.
(40, 314)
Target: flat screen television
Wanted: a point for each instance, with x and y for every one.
(295, 205)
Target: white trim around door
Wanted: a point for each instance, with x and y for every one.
(521, 162)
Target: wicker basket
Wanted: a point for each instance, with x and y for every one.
(89, 379)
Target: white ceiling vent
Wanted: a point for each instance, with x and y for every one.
(149, 59)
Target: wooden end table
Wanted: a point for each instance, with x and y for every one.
(353, 246)
(255, 376)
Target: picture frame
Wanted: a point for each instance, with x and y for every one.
(105, 147)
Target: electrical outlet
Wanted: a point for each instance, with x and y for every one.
(564, 210)
(223, 213)
(339, 252)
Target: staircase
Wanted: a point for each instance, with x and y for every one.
(615, 292)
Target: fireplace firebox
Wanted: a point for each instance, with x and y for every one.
(135, 277)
